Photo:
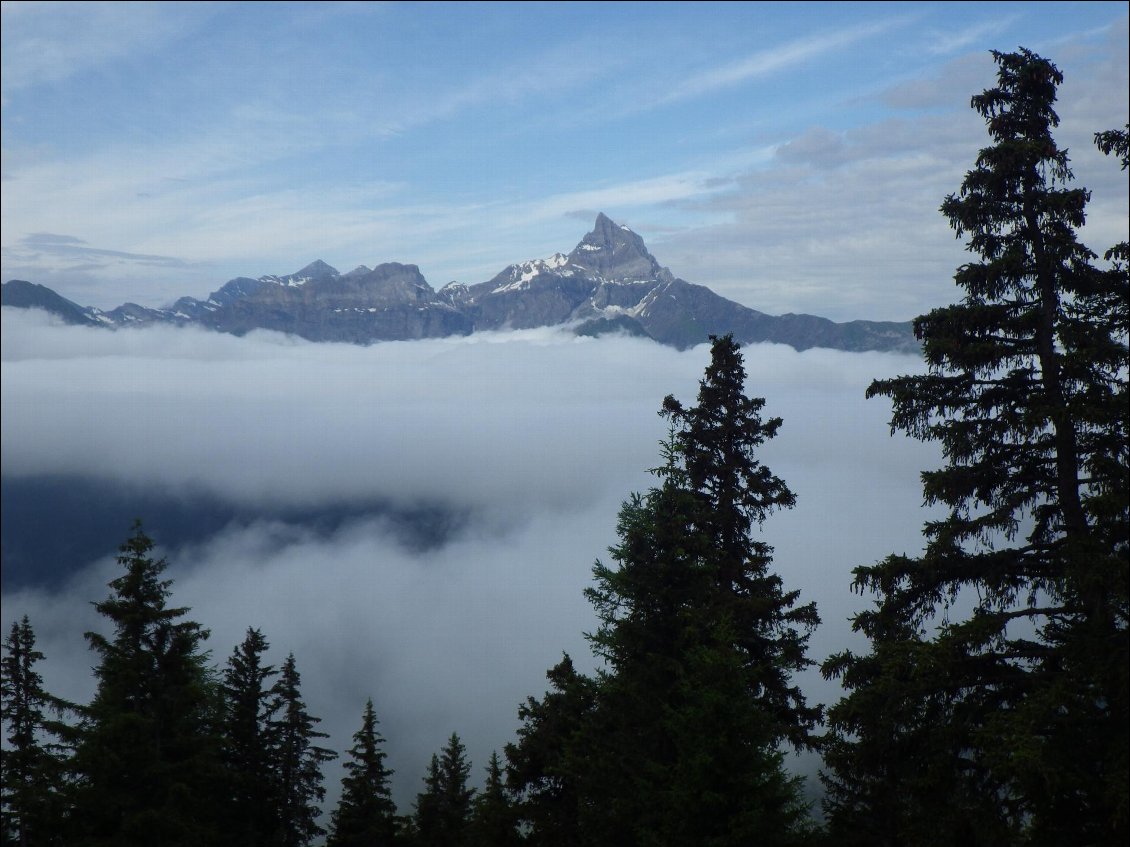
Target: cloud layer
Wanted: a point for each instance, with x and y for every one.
(538, 437)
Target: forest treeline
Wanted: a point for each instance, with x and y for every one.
(1006, 725)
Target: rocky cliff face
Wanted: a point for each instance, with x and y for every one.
(608, 283)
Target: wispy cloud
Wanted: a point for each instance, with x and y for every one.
(40, 244)
(767, 62)
(942, 44)
(49, 42)
(627, 195)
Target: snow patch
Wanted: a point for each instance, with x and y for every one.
(286, 282)
(522, 274)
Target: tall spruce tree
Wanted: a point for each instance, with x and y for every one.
(443, 810)
(147, 758)
(716, 443)
(1020, 707)
(548, 766)
(297, 762)
(700, 640)
(425, 826)
(247, 748)
(32, 769)
(493, 821)
(677, 741)
(365, 815)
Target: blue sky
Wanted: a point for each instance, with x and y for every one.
(790, 156)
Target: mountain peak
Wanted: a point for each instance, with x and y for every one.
(609, 283)
(614, 252)
(315, 270)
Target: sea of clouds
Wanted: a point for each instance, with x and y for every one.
(532, 438)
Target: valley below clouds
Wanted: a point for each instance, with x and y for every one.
(416, 521)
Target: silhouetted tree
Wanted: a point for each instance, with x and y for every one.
(365, 815)
(678, 739)
(296, 761)
(443, 810)
(547, 766)
(32, 769)
(147, 759)
(716, 443)
(700, 640)
(1024, 700)
(493, 823)
(247, 748)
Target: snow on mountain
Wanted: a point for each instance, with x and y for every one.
(520, 275)
(608, 283)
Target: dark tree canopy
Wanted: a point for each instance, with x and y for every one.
(365, 815)
(32, 769)
(493, 818)
(247, 747)
(715, 462)
(443, 809)
(147, 757)
(1023, 702)
(297, 761)
(545, 766)
(676, 741)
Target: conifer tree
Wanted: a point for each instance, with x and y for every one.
(493, 823)
(716, 447)
(1024, 701)
(700, 641)
(365, 815)
(147, 757)
(678, 739)
(297, 762)
(248, 747)
(443, 810)
(426, 824)
(33, 799)
(547, 767)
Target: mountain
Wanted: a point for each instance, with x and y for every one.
(608, 283)
(27, 295)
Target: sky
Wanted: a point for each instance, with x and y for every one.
(792, 157)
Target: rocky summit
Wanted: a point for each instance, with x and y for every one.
(608, 283)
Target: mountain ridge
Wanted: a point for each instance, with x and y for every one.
(609, 282)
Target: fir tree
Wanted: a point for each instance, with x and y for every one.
(700, 641)
(426, 825)
(547, 767)
(1027, 394)
(248, 747)
(493, 823)
(677, 740)
(147, 757)
(34, 803)
(297, 762)
(443, 810)
(365, 815)
(716, 444)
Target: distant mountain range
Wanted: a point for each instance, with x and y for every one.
(608, 283)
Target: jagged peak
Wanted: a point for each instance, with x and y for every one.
(613, 251)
